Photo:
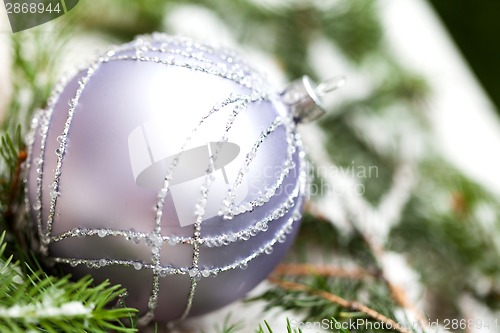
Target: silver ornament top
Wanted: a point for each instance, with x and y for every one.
(304, 97)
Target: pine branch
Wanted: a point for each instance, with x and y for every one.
(289, 328)
(227, 326)
(36, 301)
(33, 75)
(348, 305)
(322, 270)
(14, 156)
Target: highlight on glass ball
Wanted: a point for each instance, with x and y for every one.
(170, 167)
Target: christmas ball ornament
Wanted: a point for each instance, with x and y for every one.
(172, 168)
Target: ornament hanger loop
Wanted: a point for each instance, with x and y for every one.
(304, 97)
(330, 85)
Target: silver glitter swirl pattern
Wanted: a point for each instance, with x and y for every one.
(193, 58)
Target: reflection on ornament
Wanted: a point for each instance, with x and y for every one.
(150, 163)
(176, 206)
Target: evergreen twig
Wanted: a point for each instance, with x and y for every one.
(351, 305)
(295, 269)
(37, 301)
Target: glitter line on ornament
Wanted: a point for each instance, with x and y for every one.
(220, 240)
(60, 152)
(39, 162)
(247, 71)
(40, 168)
(44, 116)
(242, 80)
(226, 74)
(43, 131)
(145, 42)
(187, 43)
(238, 77)
(239, 68)
(194, 271)
(159, 207)
(209, 241)
(253, 230)
(161, 199)
(229, 211)
(279, 237)
(225, 55)
(30, 141)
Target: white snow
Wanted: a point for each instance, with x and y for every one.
(45, 309)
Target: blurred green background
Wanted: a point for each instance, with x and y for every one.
(475, 28)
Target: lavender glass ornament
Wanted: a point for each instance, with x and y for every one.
(170, 167)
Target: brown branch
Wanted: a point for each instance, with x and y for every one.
(353, 305)
(398, 294)
(401, 298)
(323, 270)
(14, 186)
(9, 214)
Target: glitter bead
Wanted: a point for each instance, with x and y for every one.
(154, 240)
(245, 236)
(193, 272)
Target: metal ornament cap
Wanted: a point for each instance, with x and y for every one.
(304, 97)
